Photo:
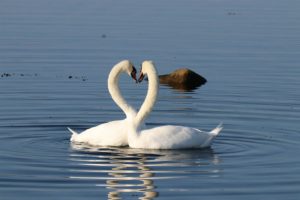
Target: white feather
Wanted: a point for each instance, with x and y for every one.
(164, 137)
(112, 133)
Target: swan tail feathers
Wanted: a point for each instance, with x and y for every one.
(74, 134)
(217, 130)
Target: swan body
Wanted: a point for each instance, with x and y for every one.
(107, 134)
(112, 133)
(174, 137)
(168, 136)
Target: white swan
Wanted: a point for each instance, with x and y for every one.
(112, 133)
(163, 137)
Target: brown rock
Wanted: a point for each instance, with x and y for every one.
(184, 79)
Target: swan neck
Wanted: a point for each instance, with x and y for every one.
(151, 96)
(114, 90)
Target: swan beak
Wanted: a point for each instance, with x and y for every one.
(133, 74)
(141, 77)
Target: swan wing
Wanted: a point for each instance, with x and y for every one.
(217, 130)
(112, 133)
(173, 137)
(74, 134)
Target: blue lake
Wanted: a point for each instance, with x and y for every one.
(55, 57)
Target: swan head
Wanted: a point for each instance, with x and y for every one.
(146, 65)
(129, 68)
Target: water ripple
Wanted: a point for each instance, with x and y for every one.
(54, 61)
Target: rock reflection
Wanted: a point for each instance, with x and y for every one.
(133, 172)
(180, 87)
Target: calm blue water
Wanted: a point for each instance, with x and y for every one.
(59, 54)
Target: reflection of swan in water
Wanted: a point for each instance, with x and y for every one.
(134, 172)
(120, 173)
(129, 175)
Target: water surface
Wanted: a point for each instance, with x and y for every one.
(58, 55)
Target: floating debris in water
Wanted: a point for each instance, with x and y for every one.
(231, 13)
(5, 74)
(83, 78)
(14, 74)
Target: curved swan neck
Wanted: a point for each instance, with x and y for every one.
(114, 90)
(152, 93)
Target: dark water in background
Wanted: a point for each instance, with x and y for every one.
(248, 50)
